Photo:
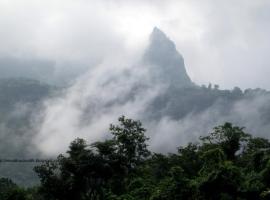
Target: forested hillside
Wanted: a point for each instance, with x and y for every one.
(228, 163)
(180, 102)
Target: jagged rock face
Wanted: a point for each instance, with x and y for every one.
(167, 65)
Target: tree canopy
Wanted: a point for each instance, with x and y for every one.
(226, 164)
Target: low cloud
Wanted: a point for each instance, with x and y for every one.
(251, 113)
(221, 42)
(92, 103)
(102, 95)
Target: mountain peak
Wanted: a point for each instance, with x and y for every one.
(157, 33)
(158, 37)
(167, 63)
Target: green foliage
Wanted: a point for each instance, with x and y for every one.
(227, 164)
(10, 191)
(130, 141)
(92, 171)
(228, 138)
(222, 181)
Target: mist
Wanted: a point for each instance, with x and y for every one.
(110, 90)
(86, 112)
(95, 48)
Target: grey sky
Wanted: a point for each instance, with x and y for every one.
(224, 42)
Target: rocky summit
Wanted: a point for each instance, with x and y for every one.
(165, 62)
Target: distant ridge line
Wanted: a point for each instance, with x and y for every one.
(32, 160)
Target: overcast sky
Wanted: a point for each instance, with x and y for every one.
(223, 42)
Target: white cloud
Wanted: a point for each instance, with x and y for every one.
(224, 42)
(91, 104)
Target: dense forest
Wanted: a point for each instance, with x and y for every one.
(226, 164)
